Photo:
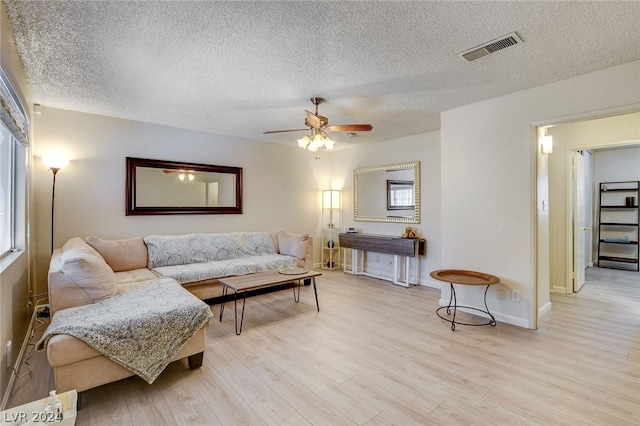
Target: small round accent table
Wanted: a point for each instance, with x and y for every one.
(462, 277)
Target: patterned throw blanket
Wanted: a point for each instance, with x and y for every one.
(142, 329)
(197, 257)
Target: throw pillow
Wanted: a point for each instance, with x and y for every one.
(292, 244)
(121, 255)
(88, 271)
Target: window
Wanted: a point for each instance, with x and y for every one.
(13, 143)
(6, 190)
(400, 195)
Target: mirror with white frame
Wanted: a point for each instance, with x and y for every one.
(388, 193)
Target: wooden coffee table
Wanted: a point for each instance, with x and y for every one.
(244, 283)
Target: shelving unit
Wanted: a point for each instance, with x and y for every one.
(331, 223)
(619, 225)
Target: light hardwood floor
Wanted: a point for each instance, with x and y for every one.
(377, 354)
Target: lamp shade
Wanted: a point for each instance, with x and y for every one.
(303, 142)
(315, 142)
(55, 161)
(328, 143)
(331, 199)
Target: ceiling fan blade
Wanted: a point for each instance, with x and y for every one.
(350, 127)
(313, 120)
(284, 131)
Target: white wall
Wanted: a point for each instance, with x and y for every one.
(424, 148)
(14, 269)
(281, 184)
(612, 165)
(488, 165)
(601, 132)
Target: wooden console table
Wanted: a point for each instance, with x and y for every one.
(397, 246)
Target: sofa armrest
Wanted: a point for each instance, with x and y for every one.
(78, 275)
(63, 293)
(308, 256)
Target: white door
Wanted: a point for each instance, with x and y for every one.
(588, 179)
(580, 228)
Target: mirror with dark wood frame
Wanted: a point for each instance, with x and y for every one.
(155, 187)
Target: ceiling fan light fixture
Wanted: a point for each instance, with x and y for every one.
(328, 143)
(318, 140)
(318, 124)
(304, 142)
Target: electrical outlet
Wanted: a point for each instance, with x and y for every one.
(500, 291)
(515, 296)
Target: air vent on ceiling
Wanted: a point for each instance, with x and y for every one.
(490, 47)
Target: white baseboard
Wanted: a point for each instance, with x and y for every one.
(544, 309)
(18, 362)
(508, 319)
(432, 284)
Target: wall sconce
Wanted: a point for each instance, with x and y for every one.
(546, 144)
(54, 163)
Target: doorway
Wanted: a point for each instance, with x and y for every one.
(555, 220)
(582, 220)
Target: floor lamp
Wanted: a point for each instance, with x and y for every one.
(54, 164)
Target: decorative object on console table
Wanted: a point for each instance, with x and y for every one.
(619, 225)
(331, 218)
(54, 163)
(397, 246)
(410, 232)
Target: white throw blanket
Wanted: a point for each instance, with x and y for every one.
(142, 329)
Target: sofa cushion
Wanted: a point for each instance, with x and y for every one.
(85, 268)
(121, 255)
(128, 280)
(255, 243)
(169, 250)
(224, 268)
(77, 245)
(291, 244)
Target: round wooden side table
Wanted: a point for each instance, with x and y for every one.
(462, 277)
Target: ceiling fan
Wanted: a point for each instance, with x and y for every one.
(319, 126)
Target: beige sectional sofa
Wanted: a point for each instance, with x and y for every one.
(88, 270)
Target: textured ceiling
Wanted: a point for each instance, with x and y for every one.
(239, 68)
